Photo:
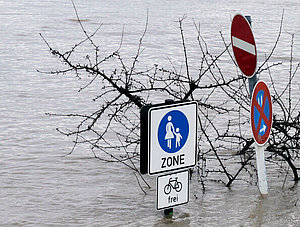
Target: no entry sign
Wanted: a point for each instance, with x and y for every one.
(243, 45)
(261, 113)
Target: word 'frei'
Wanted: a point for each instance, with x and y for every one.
(173, 199)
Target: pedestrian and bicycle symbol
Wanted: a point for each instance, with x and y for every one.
(173, 131)
(172, 136)
(172, 145)
(261, 113)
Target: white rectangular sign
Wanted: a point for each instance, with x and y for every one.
(172, 190)
(172, 137)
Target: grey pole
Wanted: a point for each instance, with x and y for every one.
(253, 80)
(259, 150)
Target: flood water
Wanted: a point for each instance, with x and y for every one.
(42, 186)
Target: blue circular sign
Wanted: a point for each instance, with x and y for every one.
(261, 113)
(173, 131)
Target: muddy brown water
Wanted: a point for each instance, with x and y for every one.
(41, 186)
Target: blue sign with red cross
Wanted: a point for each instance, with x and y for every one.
(261, 113)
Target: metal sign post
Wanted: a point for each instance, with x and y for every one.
(252, 80)
(245, 53)
(261, 124)
(261, 170)
(169, 143)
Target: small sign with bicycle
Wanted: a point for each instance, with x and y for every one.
(172, 190)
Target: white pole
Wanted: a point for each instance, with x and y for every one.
(259, 150)
(261, 170)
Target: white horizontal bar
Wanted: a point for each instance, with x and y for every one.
(248, 47)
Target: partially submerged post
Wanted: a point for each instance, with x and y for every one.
(244, 49)
(168, 213)
(171, 127)
(261, 123)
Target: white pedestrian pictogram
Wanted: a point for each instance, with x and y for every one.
(178, 137)
(171, 133)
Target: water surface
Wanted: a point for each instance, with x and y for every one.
(41, 186)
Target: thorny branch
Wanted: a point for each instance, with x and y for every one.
(113, 128)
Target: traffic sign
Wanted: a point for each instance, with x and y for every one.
(172, 137)
(172, 190)
(261, 113)
(243, 45)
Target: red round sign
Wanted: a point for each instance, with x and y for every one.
(243, 45)
(261, 113)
